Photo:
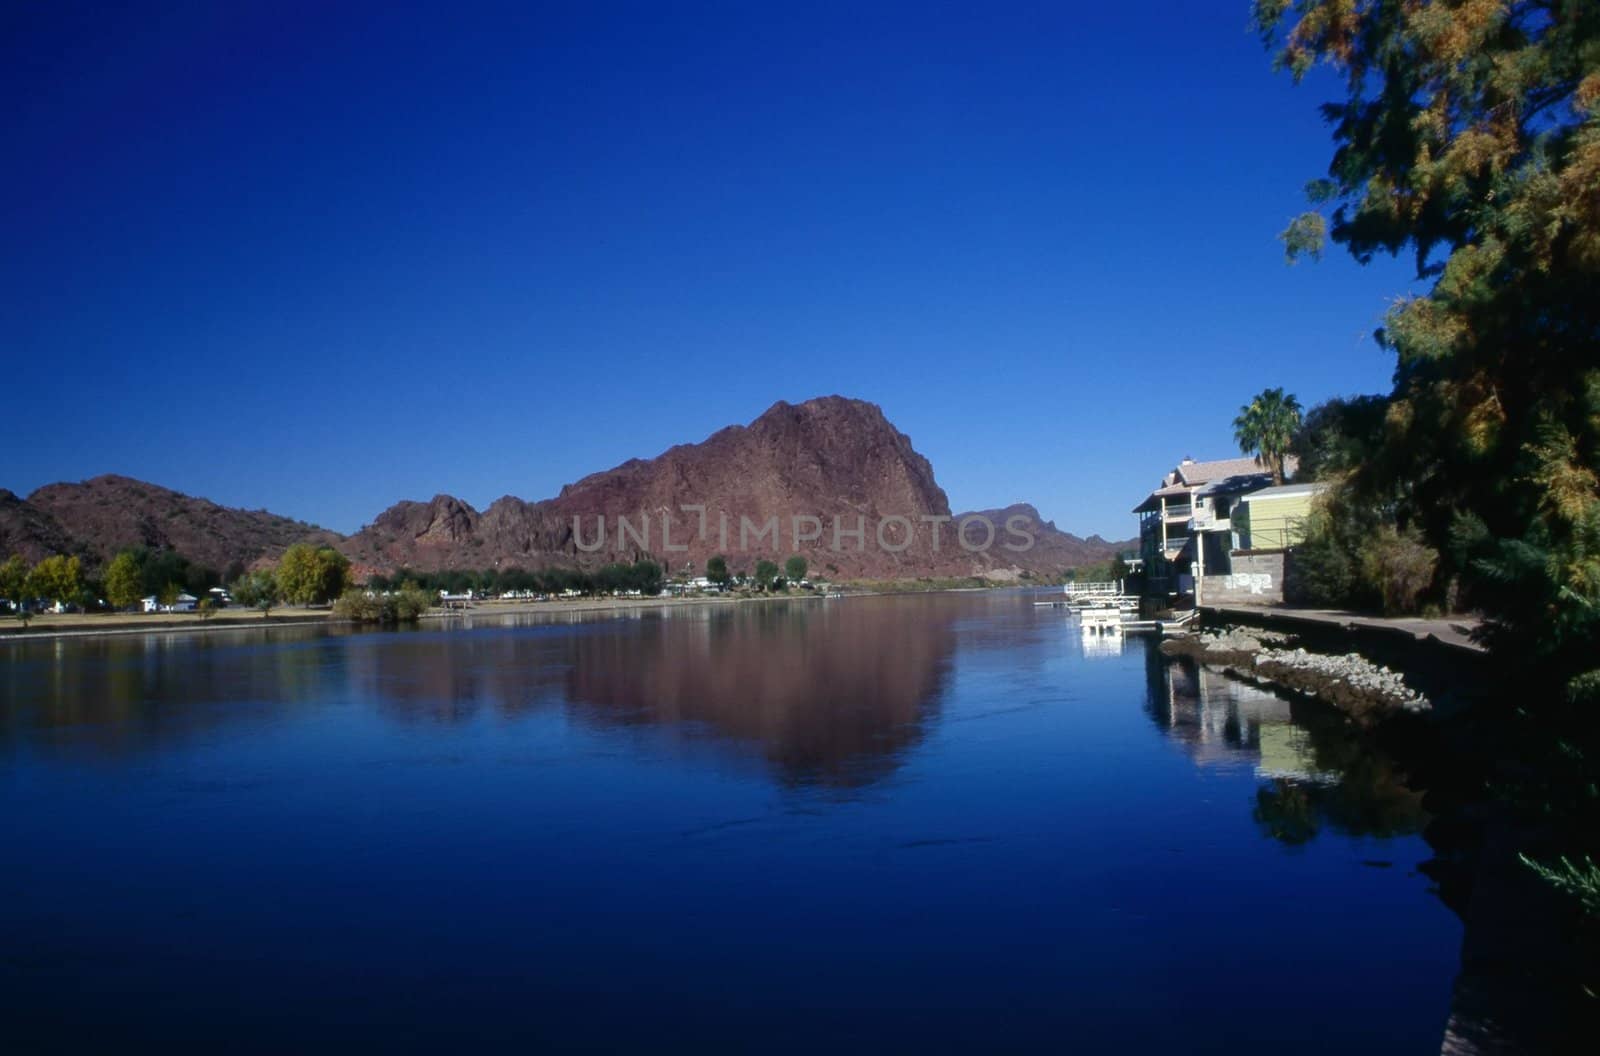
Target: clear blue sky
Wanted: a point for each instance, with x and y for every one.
(319, 258)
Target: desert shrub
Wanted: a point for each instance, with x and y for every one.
(411, 601)
(358, 605)
(405, 605)
(1398, 567)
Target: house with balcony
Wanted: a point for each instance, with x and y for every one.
(1186, 523)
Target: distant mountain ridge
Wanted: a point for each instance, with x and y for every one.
(808, 470)
(109, 513)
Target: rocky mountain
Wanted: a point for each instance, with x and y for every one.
(1053, 549)
(830, 478)
(110, 513)
(27, 530)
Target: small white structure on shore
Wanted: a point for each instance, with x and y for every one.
(1101, 619)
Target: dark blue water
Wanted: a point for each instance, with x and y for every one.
(937, 823)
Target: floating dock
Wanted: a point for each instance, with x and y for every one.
(1102, 608)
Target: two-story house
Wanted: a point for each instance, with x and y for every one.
(1186, 526)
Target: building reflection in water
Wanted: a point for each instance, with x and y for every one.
(1221, 721)
(1100, 644)
(1315, 768)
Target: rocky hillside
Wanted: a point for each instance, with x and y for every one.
(110, 513)
(1053, 549)
(830, 478)
(809, 468)
(27, 530)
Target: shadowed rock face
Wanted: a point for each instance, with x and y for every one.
(426, 534)
(797, 470)
(27, 530)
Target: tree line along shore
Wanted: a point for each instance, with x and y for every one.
(152, 582)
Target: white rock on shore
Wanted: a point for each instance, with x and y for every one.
(1352, 669)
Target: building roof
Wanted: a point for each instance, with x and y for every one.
(1287, 491)
(1220, 476)
(1153, 500)
(1195, 473)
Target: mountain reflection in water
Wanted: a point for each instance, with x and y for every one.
(824, 694)
(886, 824)
(832, 694)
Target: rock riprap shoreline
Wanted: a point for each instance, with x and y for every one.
(1350, 682)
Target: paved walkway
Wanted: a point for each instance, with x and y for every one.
(1455, 631)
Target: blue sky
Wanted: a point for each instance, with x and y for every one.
(318, 258)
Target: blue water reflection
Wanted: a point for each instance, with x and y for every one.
(888, 824)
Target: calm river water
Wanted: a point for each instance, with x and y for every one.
(929, 823)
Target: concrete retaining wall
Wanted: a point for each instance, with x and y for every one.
(1256, 578)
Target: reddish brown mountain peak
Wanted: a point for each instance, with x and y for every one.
(820, 405)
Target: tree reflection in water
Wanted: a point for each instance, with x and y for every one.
(1317, 769)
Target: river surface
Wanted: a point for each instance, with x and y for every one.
(925, 823)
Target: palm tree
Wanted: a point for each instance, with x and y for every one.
(1265, 426)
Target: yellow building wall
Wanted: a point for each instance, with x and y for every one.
(1274, 522)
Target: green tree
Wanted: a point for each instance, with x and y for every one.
(766, 572)
(333, 573)
(59, 578)
(1340, 437)
(257, 590)
(14, 580)
(1266, 426)
(310, 575)
(717, 572)
(794, 569)
(297, 575)
(647, 577)
(124, 581)
(1469, 135)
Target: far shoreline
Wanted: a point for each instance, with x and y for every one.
(88, 626)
